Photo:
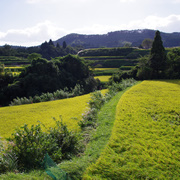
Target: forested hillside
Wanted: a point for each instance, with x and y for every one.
(119, 39)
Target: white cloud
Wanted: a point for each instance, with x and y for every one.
(33, 35)
(176, 1)
(58, 1)
(47, 30)
(126, 1)
(170, 23)
(40, 1)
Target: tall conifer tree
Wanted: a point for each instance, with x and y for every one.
(157, 59)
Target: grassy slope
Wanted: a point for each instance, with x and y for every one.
(70, 109)
(16, 116)
(145, 141)
(98, 140)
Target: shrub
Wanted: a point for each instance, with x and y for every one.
(29, 145)
(8, 160)
(97, 100)
(67, 141)
(59, 94)
(78, 90)
(95, 103)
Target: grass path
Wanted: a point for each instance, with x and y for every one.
(98, 140)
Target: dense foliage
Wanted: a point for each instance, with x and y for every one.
(44, 76)
(159, 64)
(29, 145)
(48, 50)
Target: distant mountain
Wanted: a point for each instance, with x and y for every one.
(119, 39)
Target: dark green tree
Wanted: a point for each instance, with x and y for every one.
(64, 45)
(34, 56)
(173, 64)
(157, 60)
(51, 43)
(57, 45)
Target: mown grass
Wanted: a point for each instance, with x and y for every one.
(145, 140)
(103, 78)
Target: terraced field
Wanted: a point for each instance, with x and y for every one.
(70, 109)
(145, 140)
(103, 78)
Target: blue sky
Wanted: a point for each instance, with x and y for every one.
(31, 22)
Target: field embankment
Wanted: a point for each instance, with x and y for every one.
(145, 140)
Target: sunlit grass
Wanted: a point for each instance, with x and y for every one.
(145, 140)
(104, 69)
(103, 78)
(70, 110)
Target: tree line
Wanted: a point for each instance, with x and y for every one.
(158, 64)
(48, 50)
(44, 76)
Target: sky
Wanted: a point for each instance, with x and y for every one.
(32, 22)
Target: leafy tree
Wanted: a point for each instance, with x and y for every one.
(33, 56)
(173, 63)
(144, 70)
(44, 76)
(157, 60)
(147, 43)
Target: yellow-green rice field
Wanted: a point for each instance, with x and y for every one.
(145, 140)
(103, 78)
(71, 109)
(104, 69)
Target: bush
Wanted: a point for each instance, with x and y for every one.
(8, 160)
(30, 145)
(97, 100)
(59, 94)
(95, 103)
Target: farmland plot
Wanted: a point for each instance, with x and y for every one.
(16, 116)
(145, 140)
(69, 109)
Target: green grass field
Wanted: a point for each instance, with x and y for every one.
(145, 140)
